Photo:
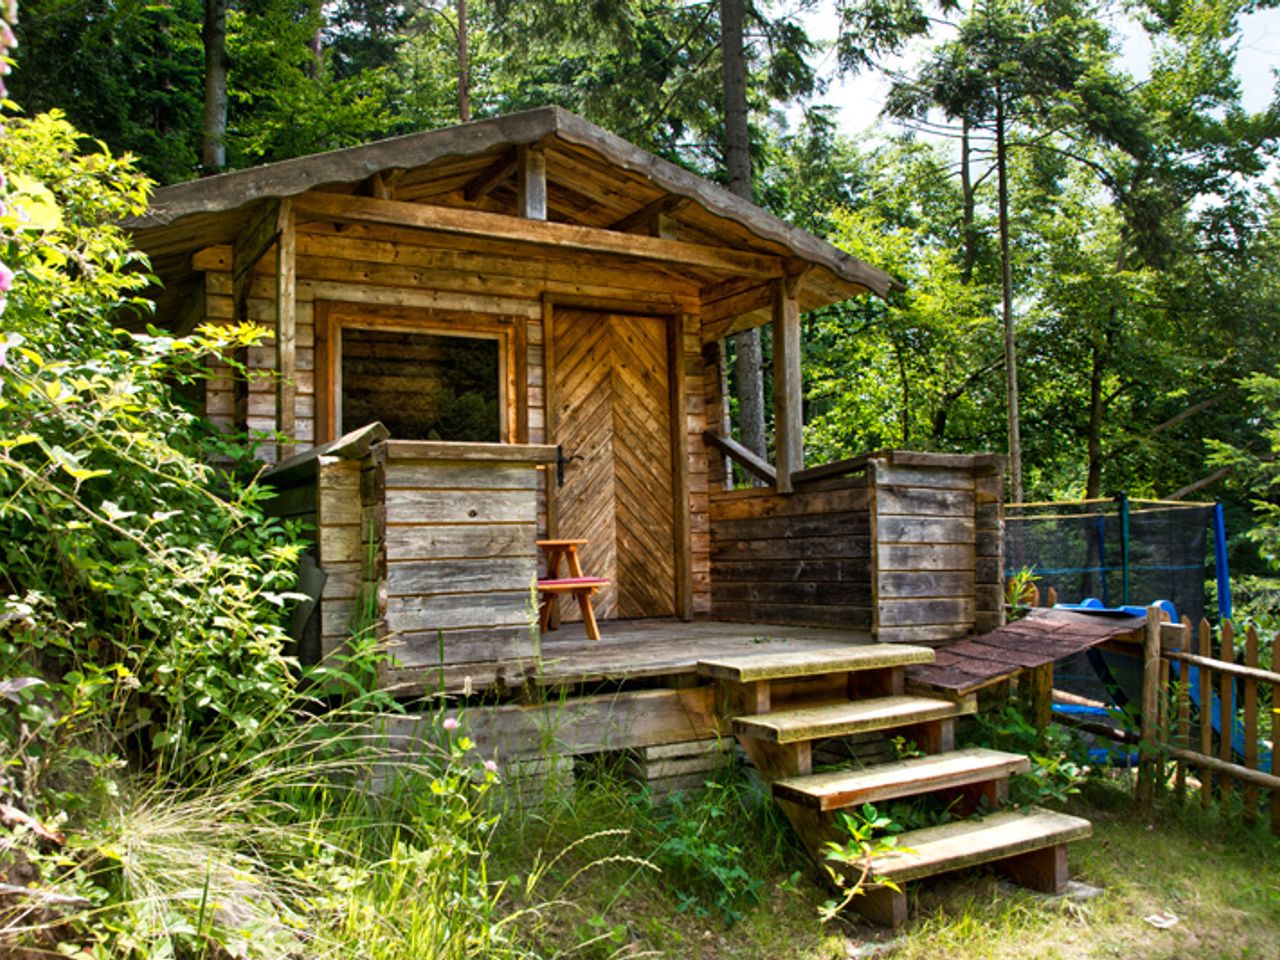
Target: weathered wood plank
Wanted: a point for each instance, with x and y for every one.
(454, 506)
(406, 474)
(925, 530)
(427, 613)
(459, 541)
(417, 577)
(896, 585)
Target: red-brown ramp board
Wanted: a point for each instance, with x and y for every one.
(1043, 636)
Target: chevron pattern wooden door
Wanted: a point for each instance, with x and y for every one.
(614, 411)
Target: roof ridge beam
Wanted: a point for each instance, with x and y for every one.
(341, 208)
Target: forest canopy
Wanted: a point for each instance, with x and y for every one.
(1112, 235)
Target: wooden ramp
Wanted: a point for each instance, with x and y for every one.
(781, 702)
(1044, 636)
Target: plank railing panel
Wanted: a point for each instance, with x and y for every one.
(1243, 692)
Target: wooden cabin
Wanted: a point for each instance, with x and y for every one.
(511, 331)
(534, 309)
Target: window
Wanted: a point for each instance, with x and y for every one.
(421, 385)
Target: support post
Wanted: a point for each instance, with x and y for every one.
(1151, 692)
(286, 329)
(531, 182)
(788, 414)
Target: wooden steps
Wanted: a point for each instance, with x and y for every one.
(846, 718)
(870, 680)
(793, 664)
(1029, 846)
(886, 781)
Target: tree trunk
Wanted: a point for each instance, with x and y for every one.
(464, 68)
(214, 35)
(1006, 298)
(966, 193)
(748, 365)
(1093, 482)
(737, 136)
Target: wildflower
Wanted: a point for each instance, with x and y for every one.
(450, 724)
(6, 278)
(491, 766)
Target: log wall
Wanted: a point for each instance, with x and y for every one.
(388, 268)
(801, 558)
(909, 547)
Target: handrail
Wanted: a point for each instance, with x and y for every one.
(351, 446)
(740, 455)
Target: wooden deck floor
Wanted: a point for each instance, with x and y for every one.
(635, 649)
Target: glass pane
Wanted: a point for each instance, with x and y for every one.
(422, 386)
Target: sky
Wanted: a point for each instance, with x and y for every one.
(860, 98)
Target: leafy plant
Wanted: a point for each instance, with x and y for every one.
(871, 834)
(703, 853)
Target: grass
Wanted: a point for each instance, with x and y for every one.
(1219, 879)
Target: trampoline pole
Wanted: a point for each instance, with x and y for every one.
(1220, 562)
(1123, 500)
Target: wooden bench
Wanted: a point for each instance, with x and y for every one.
(579, 587)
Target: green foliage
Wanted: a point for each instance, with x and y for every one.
(1057, 757)
(121, 559)
(703, 853)
(851, 862)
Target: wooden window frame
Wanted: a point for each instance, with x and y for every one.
(332, 317)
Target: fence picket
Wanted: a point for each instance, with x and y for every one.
(1275, 737)
(1206, 715)
(1251, 724)
(1226, 718)
(1183, 733)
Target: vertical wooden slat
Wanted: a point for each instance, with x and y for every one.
(1163, 717)
(286, 328)
(549, 410)
(1226, 720)
(787, 385)
(1251, 724)
(531, 182)
(1150, 709)
(1275, 739)
(1205, 683)
(1052, 600)
(1182, 736)
(680, 466)
(520, 344)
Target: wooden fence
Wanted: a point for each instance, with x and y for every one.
(1196, 684)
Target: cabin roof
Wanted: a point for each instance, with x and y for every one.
(594, 179)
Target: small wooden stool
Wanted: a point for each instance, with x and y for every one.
(576, 584)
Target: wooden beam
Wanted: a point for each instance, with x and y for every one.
(837, 468)
(640, 220)
(253, 240)
(680, 527)
(742, 456)
(286, 328)
(531, 183)
(492, 176)
(788, 399)
(347, 209)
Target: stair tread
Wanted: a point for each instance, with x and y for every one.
(848, 717)
(967, 843)
(844, 788)
(787, 664)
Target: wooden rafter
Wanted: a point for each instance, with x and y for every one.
(347, 209)
(491, 177)
(253, 240)
(641, 220)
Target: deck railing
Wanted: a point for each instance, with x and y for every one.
(1204, 704)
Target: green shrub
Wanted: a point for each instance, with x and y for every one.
(135, 573)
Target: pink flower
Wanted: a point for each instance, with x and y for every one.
(6, 279)
(491, 766)
(450, 724)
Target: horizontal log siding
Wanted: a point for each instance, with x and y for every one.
(933, 517)
(461, 559)
(802, 558)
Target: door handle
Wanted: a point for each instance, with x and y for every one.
(561, 460)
